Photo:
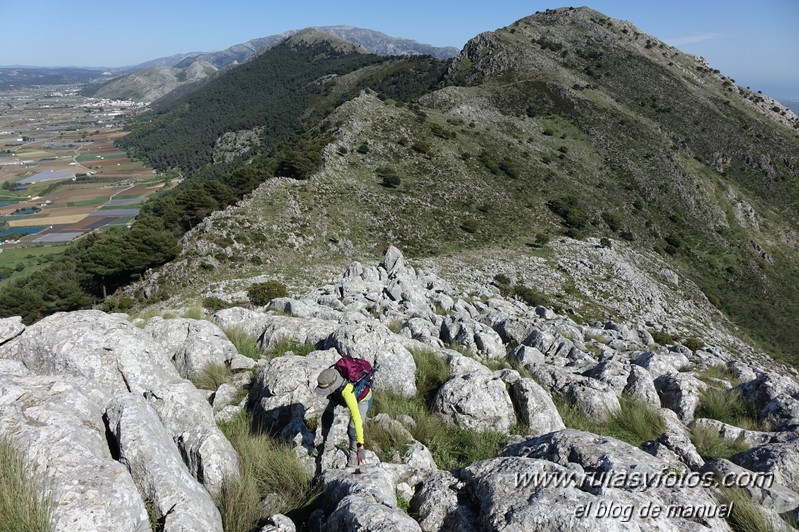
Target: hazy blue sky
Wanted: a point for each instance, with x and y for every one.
(755, 43)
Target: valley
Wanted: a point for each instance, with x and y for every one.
(60, 174)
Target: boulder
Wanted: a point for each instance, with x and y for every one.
(438, 507)
(146, 449)
(476, 401)
(92, 344)
(57, 422)
(534, 407)
(518, 493)
(194, 344)
(250, 322)
(364, 500)
(10, 328)
(662, 363)
(782, 413)
(592, 397)
(612, 372)
(680, 392)
(781, 459)
(472, 336)
(283, 391)
(761, 488)
(677, 439)
(641, 385)
(359, 512)
(189, 419)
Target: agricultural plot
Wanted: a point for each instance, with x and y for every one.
(59, 164)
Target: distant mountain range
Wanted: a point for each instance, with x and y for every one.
(157, 78)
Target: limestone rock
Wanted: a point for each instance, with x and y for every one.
(438, 507)
(146, 448)
(194, 344)
(534, 407)
(477, 401)
(782, 459)
(10, 328)
(57, 422)
(396, 369)
(641, 385)
(680, 392)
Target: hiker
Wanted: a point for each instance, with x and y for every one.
(348, 382)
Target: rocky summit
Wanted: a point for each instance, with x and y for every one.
(112, 425)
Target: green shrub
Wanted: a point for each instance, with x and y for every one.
(605, 242)
(21, 506)
(422, 147)
(612, 221)
(711, 445)
(363, 149)
(662, 337)
(503, 282)
(569, 212)
(213, 303)
(541, 239)
(389, 177)
(509, 168)
(470, 225)
(693, 343)
(531, 296)
(261, 294)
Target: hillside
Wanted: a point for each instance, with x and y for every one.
(566, 122)
(153, 80)
(570, 252)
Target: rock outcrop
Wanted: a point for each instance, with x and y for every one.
(104, 407)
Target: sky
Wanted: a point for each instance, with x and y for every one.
(754, 42)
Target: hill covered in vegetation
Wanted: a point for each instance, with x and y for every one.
(564, 124)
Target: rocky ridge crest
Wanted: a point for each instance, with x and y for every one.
(97, 383)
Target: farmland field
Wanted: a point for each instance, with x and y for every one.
(59, 163)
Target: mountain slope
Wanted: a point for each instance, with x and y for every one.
(564, 122)
(154, 83)
(153, 80)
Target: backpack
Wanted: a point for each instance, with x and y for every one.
(358, 372)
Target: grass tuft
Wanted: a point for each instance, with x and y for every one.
(711, 445)
(636, 422)
(431, 372)
(284, 345)
(721, 372)
(266, 467)
(728, 407)
(745, 515)
(244, 343)
(213, 376)
(22, 508)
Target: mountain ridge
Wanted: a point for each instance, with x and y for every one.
(132, 86)
(686, 176)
